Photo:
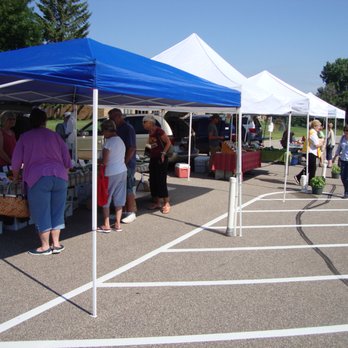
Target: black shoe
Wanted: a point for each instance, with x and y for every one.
(211, 174)
(37, 252)
(57, 250)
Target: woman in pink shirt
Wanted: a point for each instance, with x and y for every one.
(45, 159)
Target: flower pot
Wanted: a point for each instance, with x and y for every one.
(335, 175)
(317, 190)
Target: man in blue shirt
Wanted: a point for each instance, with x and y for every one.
(127, 133)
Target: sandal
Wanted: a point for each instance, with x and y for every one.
(118, 229)
(102, 229)
(165, 209)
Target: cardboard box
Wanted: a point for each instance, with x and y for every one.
(182, 170)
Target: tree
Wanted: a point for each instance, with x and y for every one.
(63, 19)
(18, 25)
(335, 77)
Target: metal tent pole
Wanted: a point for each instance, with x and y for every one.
(287, 157)
(94, 199)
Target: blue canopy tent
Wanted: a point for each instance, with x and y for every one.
(84, 71)
(66, 72)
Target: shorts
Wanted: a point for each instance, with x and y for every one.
(117, 189)
(47, 199)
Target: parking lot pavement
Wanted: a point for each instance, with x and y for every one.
(178, 280)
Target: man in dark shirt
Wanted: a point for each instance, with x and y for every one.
(127, 133)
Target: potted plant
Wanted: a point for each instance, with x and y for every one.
(335, 171)
(317, 183)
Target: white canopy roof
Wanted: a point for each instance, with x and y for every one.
(195, 56)
(297, 100)
(331, 110)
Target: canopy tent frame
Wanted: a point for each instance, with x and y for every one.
(93, 76)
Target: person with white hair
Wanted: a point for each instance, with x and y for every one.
(70, 130)
(158, 167)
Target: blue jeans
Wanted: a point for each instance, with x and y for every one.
(344, 176)
(47, 200)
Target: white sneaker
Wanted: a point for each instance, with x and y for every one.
(130, 218)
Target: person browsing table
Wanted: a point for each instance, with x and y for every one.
(46, 160)
(158, 167)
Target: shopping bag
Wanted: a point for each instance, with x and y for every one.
(102, 187)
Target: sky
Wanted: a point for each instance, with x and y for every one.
(292, 39)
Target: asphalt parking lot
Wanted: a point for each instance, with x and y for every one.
(178, 281)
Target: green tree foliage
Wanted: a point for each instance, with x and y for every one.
(63, 19)
(335, 77)
(18, 25)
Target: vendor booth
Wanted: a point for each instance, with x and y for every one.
(84, 71)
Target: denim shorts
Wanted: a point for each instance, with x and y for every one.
(47, 199)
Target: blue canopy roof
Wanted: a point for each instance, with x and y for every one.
(66, 72)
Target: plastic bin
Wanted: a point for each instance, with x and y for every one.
(201, 164)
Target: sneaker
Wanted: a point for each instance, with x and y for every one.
(296, 180)
(57, 250)
(37, 252)
(129, 218)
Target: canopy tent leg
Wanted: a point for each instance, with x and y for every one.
(239, 173)
(286, 173)
(189, 148)
(94, 200)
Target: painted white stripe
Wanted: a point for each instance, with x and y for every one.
(304, 199)
(294, 210)
(217, 337)
(223, 282)
(51, 304)
(257, 248)
(48, 305)
(277, 226)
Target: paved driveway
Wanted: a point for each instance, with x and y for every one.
(177, 280)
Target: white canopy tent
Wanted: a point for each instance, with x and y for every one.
(196, 57)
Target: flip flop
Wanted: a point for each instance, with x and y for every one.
(102, 229)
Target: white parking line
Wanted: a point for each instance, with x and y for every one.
(58, 300)
(217, 337)
(305, 199)
(258, 248)
(294, 210)
(224, 282)
(278, 226)
(223, 228)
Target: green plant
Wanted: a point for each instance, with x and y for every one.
(335, 169)
(318, 182)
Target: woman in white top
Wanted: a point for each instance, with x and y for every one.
(314, 152)
(115, 169)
